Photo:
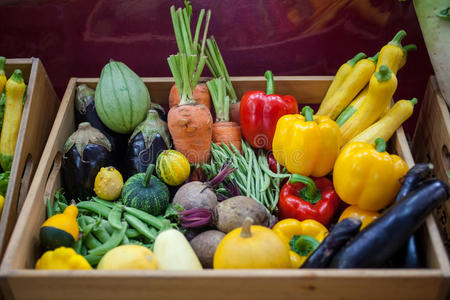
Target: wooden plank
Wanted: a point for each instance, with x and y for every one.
(22, 252)
(37, 118)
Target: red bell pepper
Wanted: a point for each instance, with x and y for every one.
(305, 198)
(259, 114)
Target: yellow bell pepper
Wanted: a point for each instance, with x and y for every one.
(365, 216)
(303, 237)
(62, 259)
(305, 144)
(367, 176)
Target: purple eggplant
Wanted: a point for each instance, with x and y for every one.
(85, 152)
(149, 139)
(85, 112)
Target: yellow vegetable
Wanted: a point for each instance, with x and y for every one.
(386, 126)
(367, 176)
(2, 202)
(15, 89)
(381, 89)
(365, 216)
(307, 145)
(391, 55)
(108, 184)
(2, 74)
(128, 257)
(252, 247)
(342, 74)
(60, 229)
(302, 237)
(62, 259)
(352, 85)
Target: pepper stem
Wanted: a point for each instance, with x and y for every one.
(355, 59)
(397, 40)
(2, 64)
(17, 76)
(383, 74)
(246, 228)
(380, 144)
(270, 85)
(309, 193)
(308, 112)
(148, 175)
(303, 245)
(414, 101)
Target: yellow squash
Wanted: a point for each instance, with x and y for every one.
(342, 74)
(128, 257)
(366, 216)
(60, 229)
(387, 125)
(2, 74)
(303, 237)
(352, 85)
(252, 247)
(305, 144)
(366, 176)
(62, 259)
(108, 184)
(381, 89)
(15, 89)
(391, 55)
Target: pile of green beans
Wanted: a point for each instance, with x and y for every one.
(105, 225)
(253, 175)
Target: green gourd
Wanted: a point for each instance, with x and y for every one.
(146, 192)
(121, 98)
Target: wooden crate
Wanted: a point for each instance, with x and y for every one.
(22, 282)
(37, 119)
(431, 143)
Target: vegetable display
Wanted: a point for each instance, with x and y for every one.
(259, 113)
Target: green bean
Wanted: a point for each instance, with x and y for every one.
(266, 183)
(145, 217)
(93, 260)
(90, 241)
(87, 229)
(62, 206)
(132, 233)
(114, 241)
(105, 225)
(49, 208)
(83, 250)
(56, 209)
(125, 240)
(101, 234)
(114, 217)
(108, 204)
(139, 226)
(89, 219)
(95, 207)
(77, 246)
(272, 174)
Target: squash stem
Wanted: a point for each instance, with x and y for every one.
(352, 62)
(374, 58)
(414, 101)
(246, 228)
(380, 144)
(2, 64)
(17, 76)
(397, 40)
(384, 74)
(148, 175)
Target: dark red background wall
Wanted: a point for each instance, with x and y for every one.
(290, 37)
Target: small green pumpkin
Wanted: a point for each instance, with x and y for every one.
(172, 167)
(146, 192)
(121, 98)
(60, 230)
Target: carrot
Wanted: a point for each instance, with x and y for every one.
(190, 123)
(200, 94)
(223, 131)
(217, 67)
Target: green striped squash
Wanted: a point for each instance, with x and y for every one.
(172, 167)
(121, 98)
(146, 192)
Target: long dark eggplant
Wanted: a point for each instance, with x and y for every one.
(338, 236)
(149, 139)
(374, 245)
(85, 152)
(409, 255)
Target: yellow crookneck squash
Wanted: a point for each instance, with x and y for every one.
(15, 89)
(60, 230)
(2, 74)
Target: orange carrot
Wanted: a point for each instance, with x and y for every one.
(200, 94)
(190, 123)
(223, 130)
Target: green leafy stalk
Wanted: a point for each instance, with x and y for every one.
(221, 102)
(217, 66)
(187, 65)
